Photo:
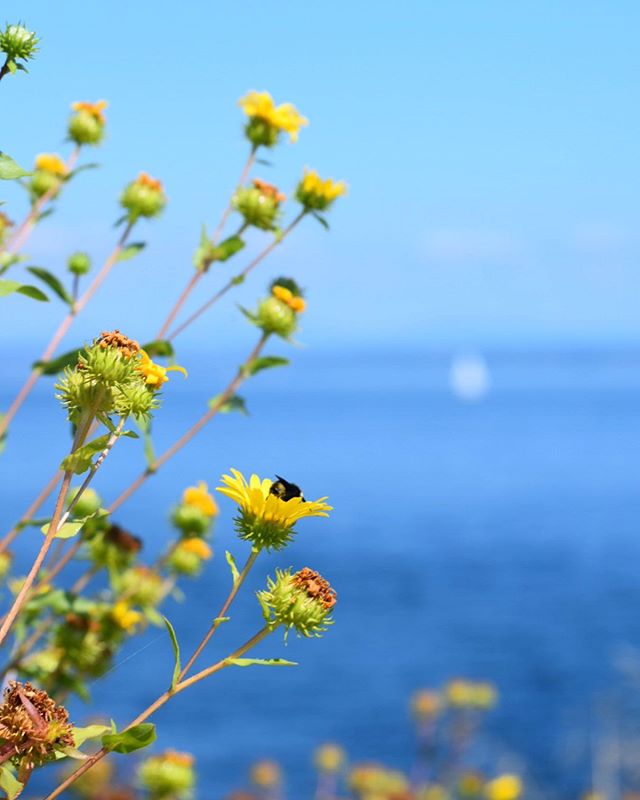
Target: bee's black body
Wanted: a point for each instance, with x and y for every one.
(284, 490)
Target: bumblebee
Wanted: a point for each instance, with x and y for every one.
(284, 490)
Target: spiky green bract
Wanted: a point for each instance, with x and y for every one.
(18, 42)
(258, 208)
(284, 603)
(263, 534)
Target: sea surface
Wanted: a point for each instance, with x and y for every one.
(497, 539)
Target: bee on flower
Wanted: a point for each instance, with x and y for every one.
(264, 519)
(87, 123)
(267, 121)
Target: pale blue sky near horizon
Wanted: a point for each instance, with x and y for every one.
(490, 149)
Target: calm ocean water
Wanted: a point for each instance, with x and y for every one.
(497, 540)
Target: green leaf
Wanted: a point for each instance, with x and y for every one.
(81, 459)
(56, 365)
(52, 282)
(260, 662)
(9, 287)
(177, 667)
(70, 752)
(9, 784)
(265, 362)
(130, 740)
(80, 735)
(9, 170)
(232, 564)
(229, 247)
(234, 403)
(237, 280)
(66, 531)
(321, 220)
(159, 348)
(131, 250)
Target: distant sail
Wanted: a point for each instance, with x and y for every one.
(469, 377)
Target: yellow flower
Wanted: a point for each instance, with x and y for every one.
(505, 787)
(95, 109)
(199, 497)
(144, 179)
(285, 117)
(196, 546)
(266, 774)
(426, 704)
(155, 375)
(255, 499)
(125, 616)
(295, 302)
(327, 188)
(51, 163)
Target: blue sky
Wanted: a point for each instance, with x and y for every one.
(491, 150)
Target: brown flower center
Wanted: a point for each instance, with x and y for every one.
(316, 587)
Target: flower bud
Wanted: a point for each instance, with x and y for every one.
(18, 42)
(266, 121)
(115, 548)
(88, 503)
(266, 774)
(143, 197)
(141, 586)
(316, 194)
(329, 758)
(303, 601)
(505, 787)
(188, 555)
(170, 775)
(287, 290)
(86, 125)
(274, 316)
(259, 204)
(48, 176)
(190, 520)
(79, 263)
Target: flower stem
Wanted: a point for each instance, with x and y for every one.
(241, 275)
(157, 704)
(193, 281)
(63, 329)
(231, 389)
(218, 620)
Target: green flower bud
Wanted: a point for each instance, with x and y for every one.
(259, 204)
(88, 503)
(187, 556)
(190, 519)
(18, 42)
(141, 586)
(84, 128)
(302, 601)
(170, 775)
(275, 316)
(79, 263)
(261, 133)
(143, 197)
(115, 548)
(137, 400)
(42, 182)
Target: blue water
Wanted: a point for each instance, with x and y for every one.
(496, 540)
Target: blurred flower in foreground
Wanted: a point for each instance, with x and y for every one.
(86, 125)
(373, 781)
(143, 197)
(426, 704)
(125, 616)
(329, 758)
(5, 227)
(461, 693)
(266, 774)
(505, 787)
(266, 520)
(187, 556)
(303, 600)
(168, 775)
(267, 121)
(317, 194)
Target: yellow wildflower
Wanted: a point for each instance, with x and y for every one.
(460, 693)
(285, 117)
(266, 774)
(95, 109)
(505, 787)
(255, 499)
(155, 374)
(199, 497)
(196, 546)
(295, 302)
(126, 617)
(51, 163)
(329, 758)
(425, 704)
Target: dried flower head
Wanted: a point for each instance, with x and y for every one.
(302, 600)
(32, 726)
(128, 347)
